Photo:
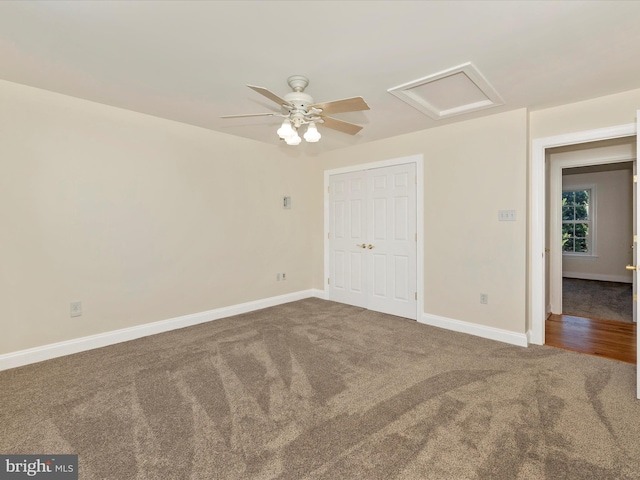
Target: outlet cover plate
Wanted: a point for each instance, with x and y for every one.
(76, 309)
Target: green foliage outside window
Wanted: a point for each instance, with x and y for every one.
(576, 221)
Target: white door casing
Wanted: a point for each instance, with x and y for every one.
(636, 226)
(391, 273)
(555, 220)
(537, 216)
(634, 243)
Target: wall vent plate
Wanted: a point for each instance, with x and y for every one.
(458, 90)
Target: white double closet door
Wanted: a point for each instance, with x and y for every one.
(373, 239)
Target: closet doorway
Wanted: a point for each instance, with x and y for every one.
(372, 237)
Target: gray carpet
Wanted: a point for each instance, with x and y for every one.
(595, 299)
(319, 390)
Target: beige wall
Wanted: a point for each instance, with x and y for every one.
(144, 219)
(140, 218)
(614, 227)
(601, 112)
(472, 169)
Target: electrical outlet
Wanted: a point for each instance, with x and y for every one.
(76, 309)
(484, 298)
(278, 276)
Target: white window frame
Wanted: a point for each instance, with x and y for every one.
(591, 238)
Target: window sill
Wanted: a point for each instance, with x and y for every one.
(579, 255)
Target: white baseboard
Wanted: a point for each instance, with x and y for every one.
(598, 276)
(320, 293)
(76, 345)
(492, 333)
(533, 338)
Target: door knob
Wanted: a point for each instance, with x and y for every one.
(370, 246)
(631, 267)
(362, 245)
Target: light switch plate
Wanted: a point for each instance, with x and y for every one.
(507, 215)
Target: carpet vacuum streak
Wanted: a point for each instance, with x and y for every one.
(319, 390)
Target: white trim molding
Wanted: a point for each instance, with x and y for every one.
(469, 84)
(537, 216)
(555, 220)
(77, 345)
(491, 333)
(316, 292)
(91, 342)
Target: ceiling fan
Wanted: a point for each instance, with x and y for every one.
(298, 108)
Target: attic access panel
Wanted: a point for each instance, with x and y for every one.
(455, 91)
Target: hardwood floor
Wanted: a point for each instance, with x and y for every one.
(603, 338)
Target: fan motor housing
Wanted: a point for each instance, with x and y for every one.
(299, 100)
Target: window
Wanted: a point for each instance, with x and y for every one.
(578, 221)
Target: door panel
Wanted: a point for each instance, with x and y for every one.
(379, 275)
(379, 219)
(339, 262)
(402, 271)
(357, 267)
(400, 216)
(393, 238)
(347, 230)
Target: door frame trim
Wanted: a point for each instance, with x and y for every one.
(555, 220)
(537, 216)
(418, 160)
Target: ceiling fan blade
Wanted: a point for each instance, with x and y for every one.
(341, 126)
(250, 115)
(353, 104)
(270, 95)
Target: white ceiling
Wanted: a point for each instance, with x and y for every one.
(190, 61)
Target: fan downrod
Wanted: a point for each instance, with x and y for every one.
(298, 82)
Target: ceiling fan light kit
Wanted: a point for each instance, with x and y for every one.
(293, 139)
(312, 134)
(299, 109)
(286, 130)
